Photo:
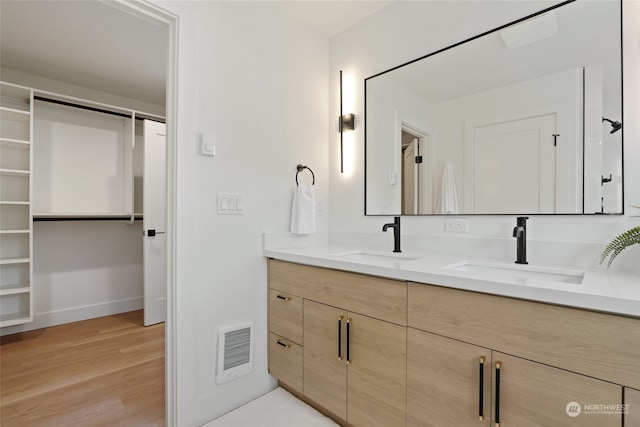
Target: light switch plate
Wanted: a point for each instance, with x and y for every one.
(207, 145)
(231, 204)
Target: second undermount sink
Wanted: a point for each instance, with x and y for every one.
(519, 273)
(376, 256)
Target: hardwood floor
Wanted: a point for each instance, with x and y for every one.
(100, 372)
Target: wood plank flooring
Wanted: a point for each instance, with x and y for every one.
(100, 372)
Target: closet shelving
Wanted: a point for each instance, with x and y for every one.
(30, 157)
(16, 229)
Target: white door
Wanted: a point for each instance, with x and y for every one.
(410, 179)
(154, 190)
(515, 166)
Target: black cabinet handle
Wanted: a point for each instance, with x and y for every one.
(481, 391)
(348, 341)
(282, 344)
(282, 297)
(497, 408)
(340, 337)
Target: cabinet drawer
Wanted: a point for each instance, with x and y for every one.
(596, 344)
(380, 298)
(285, 315)
(285, 361)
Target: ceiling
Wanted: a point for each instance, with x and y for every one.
(92, 44)
(85, 43)
(331, 17)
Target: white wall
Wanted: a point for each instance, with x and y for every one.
(391, 104)
(82, 270)
(257, 80)
(380, 42)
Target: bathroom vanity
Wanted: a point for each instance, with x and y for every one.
(368, 342)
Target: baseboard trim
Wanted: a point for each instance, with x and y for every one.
(76, 314)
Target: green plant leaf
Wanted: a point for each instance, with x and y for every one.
(620, 243)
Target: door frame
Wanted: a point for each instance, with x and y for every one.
(426, 139)
(151, 12)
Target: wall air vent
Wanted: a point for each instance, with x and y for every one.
(235, 352)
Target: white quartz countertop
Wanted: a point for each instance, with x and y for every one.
(601, 290)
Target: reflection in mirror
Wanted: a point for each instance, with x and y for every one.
(525, 119)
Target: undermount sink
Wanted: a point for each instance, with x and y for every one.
(519, 273)
(376, 256)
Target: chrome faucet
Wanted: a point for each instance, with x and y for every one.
(396, 233)
(520, 233)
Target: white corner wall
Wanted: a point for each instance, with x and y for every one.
(406, 30)
(256, 80)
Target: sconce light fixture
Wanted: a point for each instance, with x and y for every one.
(345, 123)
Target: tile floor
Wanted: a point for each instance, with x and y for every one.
(278, 408)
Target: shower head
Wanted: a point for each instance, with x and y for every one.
(615, 126)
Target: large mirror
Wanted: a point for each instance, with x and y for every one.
(525, 119)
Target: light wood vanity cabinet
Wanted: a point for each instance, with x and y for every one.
(549, 356)
(354, 341)
(379, 352)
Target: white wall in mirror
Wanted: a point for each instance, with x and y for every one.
(378, 43)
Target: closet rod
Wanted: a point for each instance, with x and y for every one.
(85, 107)
(85, 218)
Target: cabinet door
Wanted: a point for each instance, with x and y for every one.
(632, 402)
(325, 375)
(376, 373)
(285, 361)
(448, 382)
(533, 395)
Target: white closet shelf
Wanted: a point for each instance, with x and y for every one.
(21, 288)
(14, 202)
(14, 319)
(10, 261)
(15, 231)
(14, 172)
(14, 115)
(14, 143)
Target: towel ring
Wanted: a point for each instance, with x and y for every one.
(300, 169)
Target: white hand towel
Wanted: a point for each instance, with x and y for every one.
(303, 211)
(448, 202)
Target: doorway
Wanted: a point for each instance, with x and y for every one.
(141, 11)
(415, 159)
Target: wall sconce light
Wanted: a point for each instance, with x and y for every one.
(345, 123)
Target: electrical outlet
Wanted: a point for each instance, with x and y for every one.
(456, 225)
